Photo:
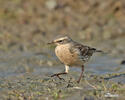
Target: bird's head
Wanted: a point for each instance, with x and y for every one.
(61, 40)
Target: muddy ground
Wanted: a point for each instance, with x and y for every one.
(27, 62)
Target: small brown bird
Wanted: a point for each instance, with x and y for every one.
(71, 53)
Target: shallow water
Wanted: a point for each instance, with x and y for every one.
(14, 64)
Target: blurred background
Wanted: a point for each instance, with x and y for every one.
(26, 61)
(28, 24)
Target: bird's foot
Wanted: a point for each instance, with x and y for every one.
(57, 76)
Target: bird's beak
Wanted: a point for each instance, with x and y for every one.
(51, 42)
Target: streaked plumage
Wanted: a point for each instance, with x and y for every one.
(72, 53)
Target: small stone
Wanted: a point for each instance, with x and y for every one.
(123, 62)
(51, 4)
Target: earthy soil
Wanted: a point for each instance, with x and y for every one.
(27, 62)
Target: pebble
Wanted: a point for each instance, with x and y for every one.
(123, 62)
(51, 4)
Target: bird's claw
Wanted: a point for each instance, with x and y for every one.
(57, 76)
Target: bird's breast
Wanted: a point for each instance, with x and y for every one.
(66, 57)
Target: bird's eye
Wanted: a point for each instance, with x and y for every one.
(60, 40)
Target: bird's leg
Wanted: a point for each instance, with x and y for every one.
(66, 72)
(81, 74)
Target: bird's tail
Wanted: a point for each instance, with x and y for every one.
(100, 51)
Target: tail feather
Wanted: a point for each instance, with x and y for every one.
(99, 51)
(95, 50)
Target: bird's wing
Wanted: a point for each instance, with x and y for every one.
(84, 52)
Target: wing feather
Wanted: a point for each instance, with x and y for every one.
(84, 52)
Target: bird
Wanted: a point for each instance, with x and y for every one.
(72, 53)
